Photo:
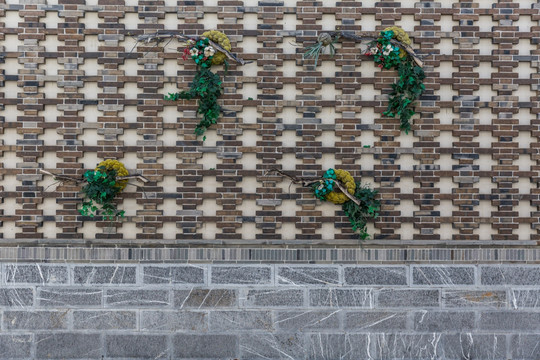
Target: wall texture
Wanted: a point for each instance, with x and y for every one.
(162, 311)
(77, 88)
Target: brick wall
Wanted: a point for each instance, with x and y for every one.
(75, 89)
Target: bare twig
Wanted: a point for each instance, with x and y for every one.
(62, 177)
(351, 36)
(160, 36)
(140, 188)
(134, 176)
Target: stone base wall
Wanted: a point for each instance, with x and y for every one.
(269, 311)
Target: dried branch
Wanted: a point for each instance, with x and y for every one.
(307, 182)
(352, 36)
(62, 177)
(160, 36)
(139, 177)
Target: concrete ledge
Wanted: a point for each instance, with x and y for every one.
(217, 255)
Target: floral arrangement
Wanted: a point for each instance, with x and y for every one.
(206, 85)
(388, 54)
(223, 41)
(359, 204)
(200, 51)
(102, 186)
(390, 50)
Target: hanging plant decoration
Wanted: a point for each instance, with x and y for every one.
(101, 186)
(339, 187)
(390, 50)
(212, 48)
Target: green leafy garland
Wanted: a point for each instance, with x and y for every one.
(358, 214)
(101, 189)
(388, 51)
(410, 85)
(206, 85)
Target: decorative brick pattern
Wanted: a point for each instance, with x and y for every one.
(77, 88)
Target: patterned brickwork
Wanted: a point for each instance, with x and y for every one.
(76, 87)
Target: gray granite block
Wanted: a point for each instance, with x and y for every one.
(67, 297)
(104, 320)
(407, 298)
(103, 275)
(275, 297)
(272, 346)
(68, 346)
(524, 299)
(173, 275)
(36, 274)
(407, 346)
(341, 297)
(15, 346)
(509, 320)
(375, 275)
(439, 321)
(14, 297)
(371, 321)
(509, 275)
(323, 346)
(474, 299)
(205, 346)
(159, 320)
(443, 275)
(295, 275)
(525, 346)
(35, 320)
(241, 275)
(129, 297)
(473, 346)
(205, 298)
(137, 346)
(307, 320)
(240, 320)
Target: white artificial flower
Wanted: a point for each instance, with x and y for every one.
(209, 51)
(194, 52)
(374, 50)
(389, 48)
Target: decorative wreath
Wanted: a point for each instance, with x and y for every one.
(338, 186)
(358, 202)
(102, 186)
(121, 171)
(210, 49)
(325, 190)
(222, 40)
(390, 50)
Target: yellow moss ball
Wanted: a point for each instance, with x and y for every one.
(222, 40)
(120, 169)
(401, 36)
(337, 197)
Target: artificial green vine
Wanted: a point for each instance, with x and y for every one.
(357, 200)
(359, 214)
(410, 85)
(101, 189)
(338, 186)
(207, 87)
